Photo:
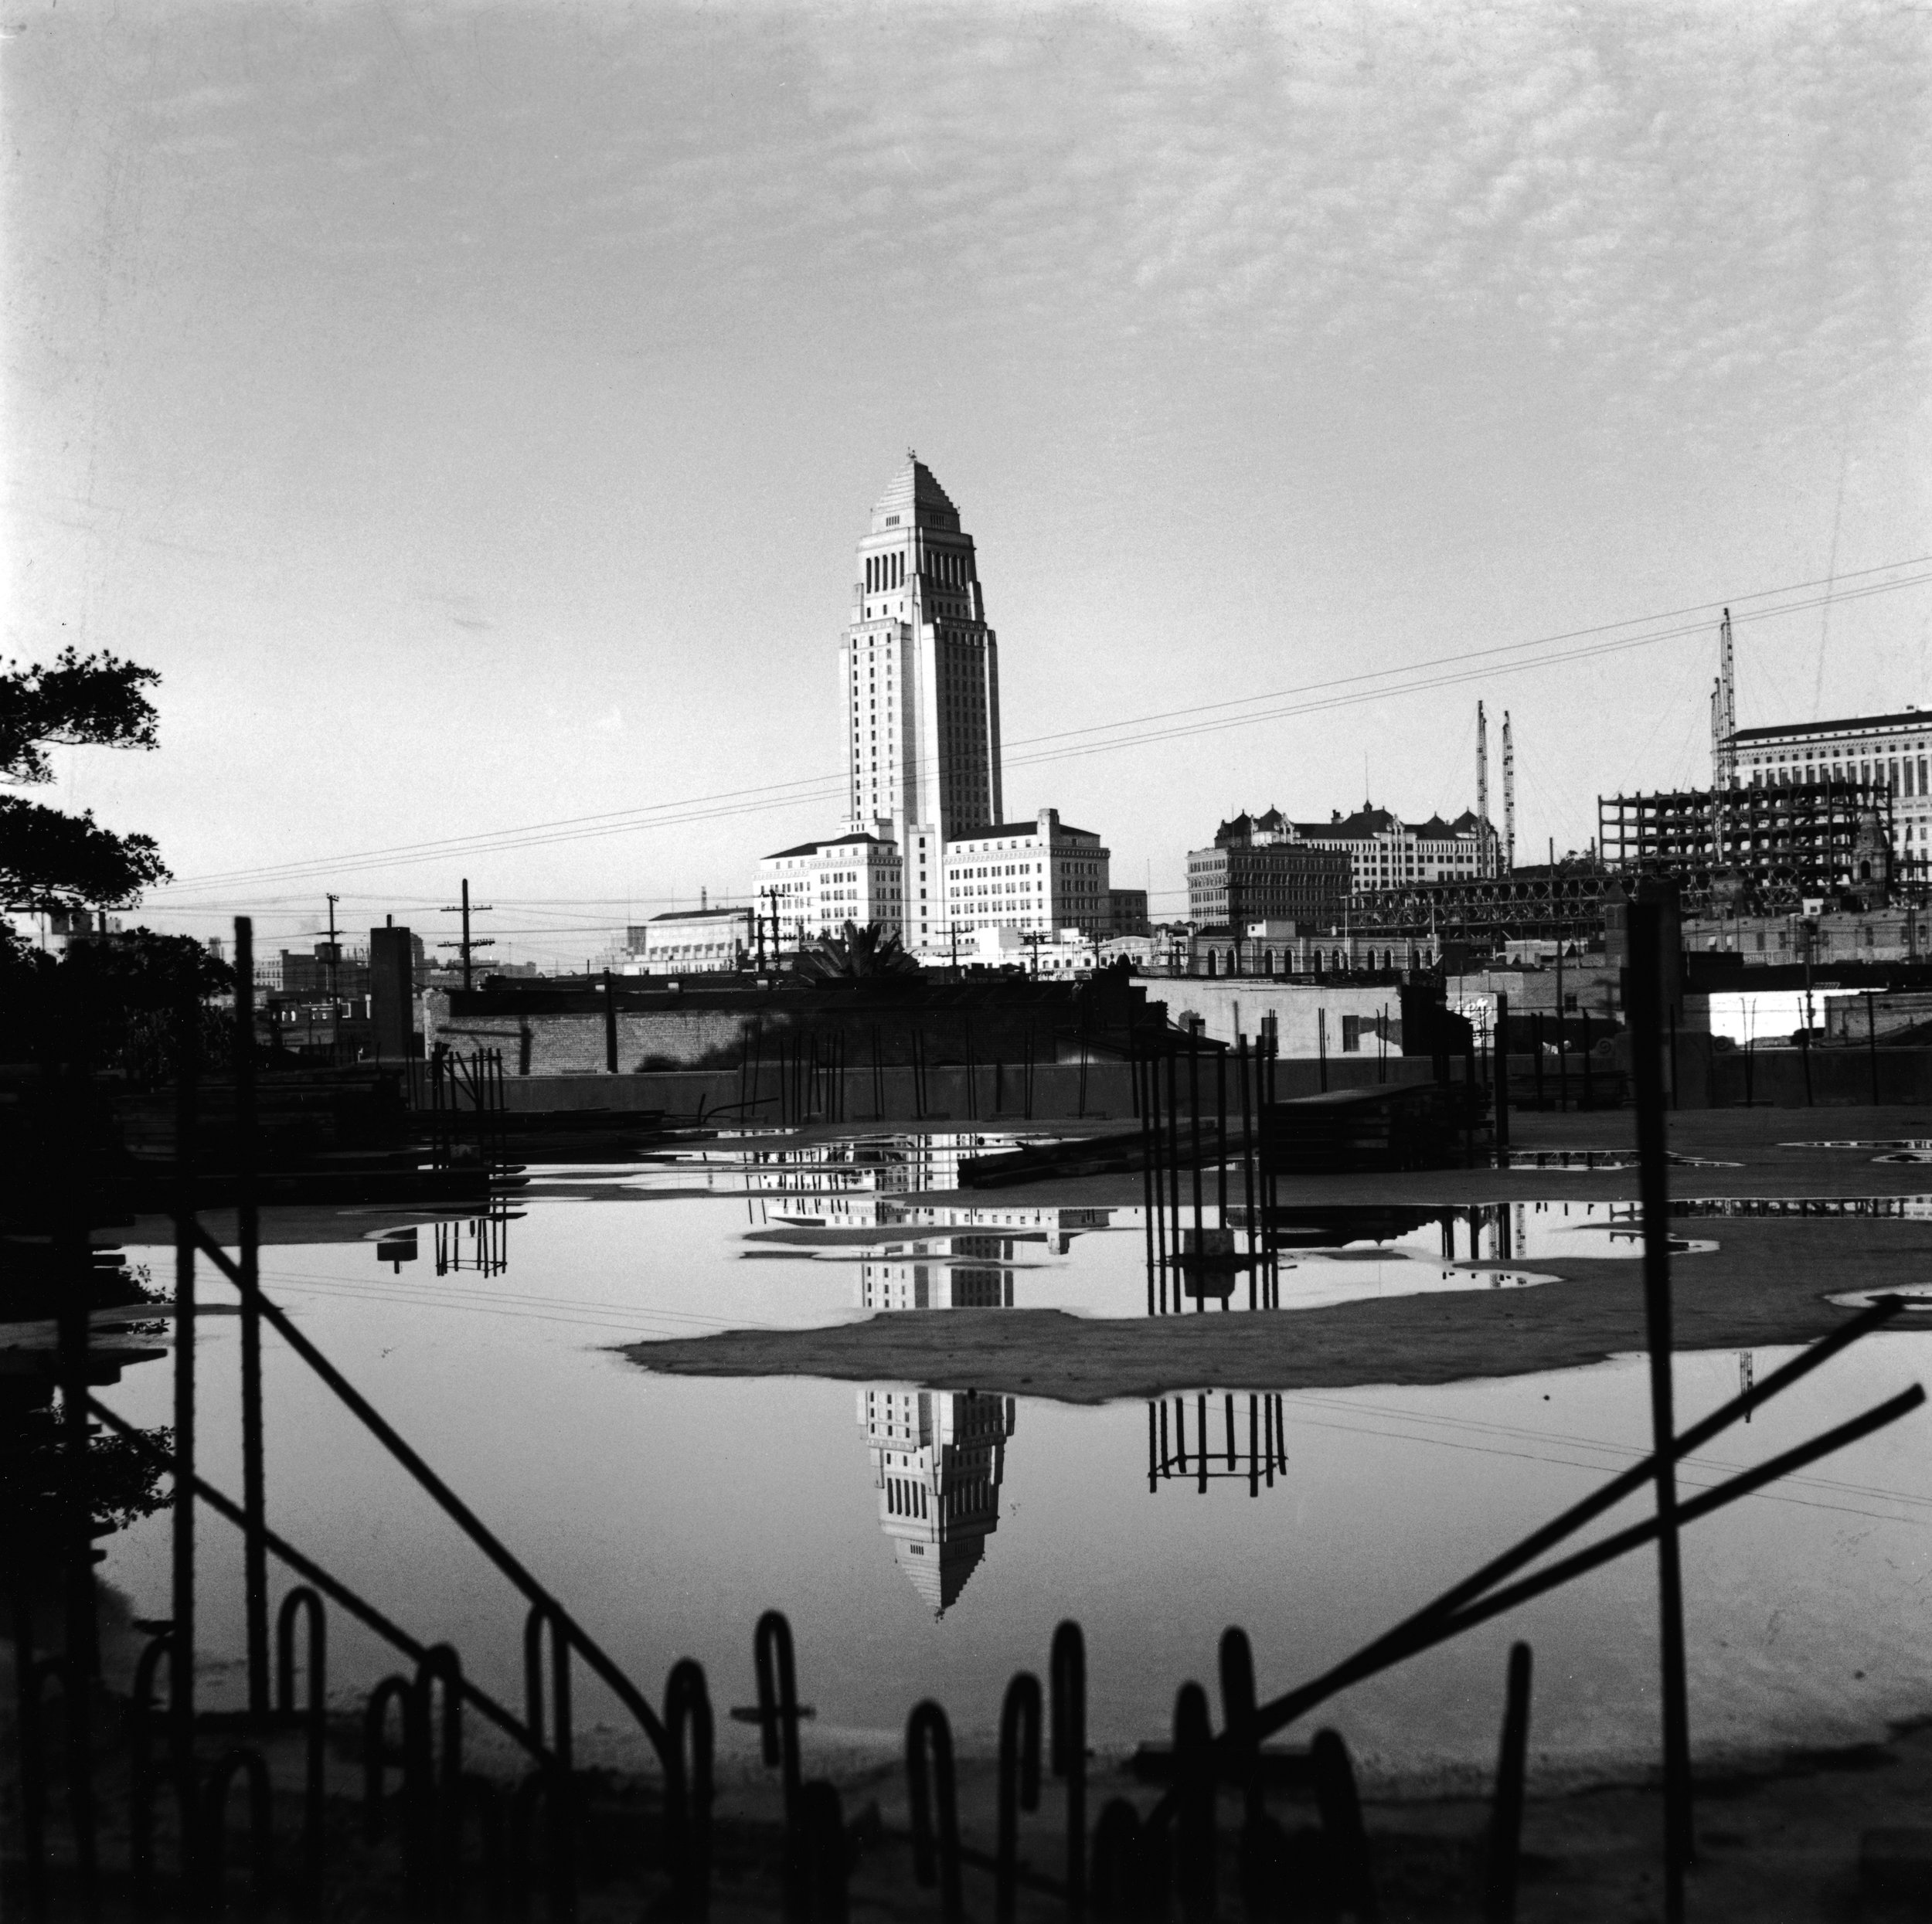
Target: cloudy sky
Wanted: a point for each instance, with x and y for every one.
(471, 409)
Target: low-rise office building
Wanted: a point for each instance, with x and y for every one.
(691, 942)
(815, 888)
(1035, 876)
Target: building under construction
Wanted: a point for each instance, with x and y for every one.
(1761, 850)
(1562, 904)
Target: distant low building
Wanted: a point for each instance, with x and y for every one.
(1876, 935)
(691, 941)
(1063, 954)
(1264, 876)
(330, 971)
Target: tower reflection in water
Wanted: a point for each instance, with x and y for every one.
(1215, 1452)
(938, 1458)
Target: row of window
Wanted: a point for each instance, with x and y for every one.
(1904, 775)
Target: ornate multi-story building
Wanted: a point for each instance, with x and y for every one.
(926, 851)
(1263, 867)
(938, 1458)
(919, 669)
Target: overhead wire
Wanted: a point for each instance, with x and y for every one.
(1193, 720)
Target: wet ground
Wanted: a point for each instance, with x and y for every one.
(1310, 1470)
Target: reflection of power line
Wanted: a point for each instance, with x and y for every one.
(1216, 1458)
(1691, 1468)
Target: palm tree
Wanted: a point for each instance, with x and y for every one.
(860, 954)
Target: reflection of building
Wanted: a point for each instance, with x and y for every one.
(938, 1457)
(944, 1273)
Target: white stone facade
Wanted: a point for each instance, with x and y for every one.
(816, 887)
(690, 942)
(1039, 876)
(926, 854)
(919, 672)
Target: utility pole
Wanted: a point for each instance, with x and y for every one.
(1482, 792)
(334, 955)
(1509, 797)
(466, 909)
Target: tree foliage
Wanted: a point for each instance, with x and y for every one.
(49, 860)
(81, 701)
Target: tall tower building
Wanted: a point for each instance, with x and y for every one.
(920, 672)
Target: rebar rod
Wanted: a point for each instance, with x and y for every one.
(1646, 961)
(473, 1526)
(248, 1234)
(312, 1573)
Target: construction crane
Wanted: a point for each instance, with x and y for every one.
(1482, 793)
(1508, 798)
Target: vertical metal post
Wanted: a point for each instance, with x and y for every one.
(1321, 1048)
(1871, 1042)
(1194, 1125)
(1247, 1159)
(1501, 1048)
(1221, 1135)
(1584, 1017)
(1173, 1166)
(248, 1234)
(1563, 1062)
(610, 1023)
(1647, 1041)
(1146, 1109)
(180, 1666)
(72, 1093)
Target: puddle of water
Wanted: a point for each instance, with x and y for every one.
(1873, 1208)
(1480, 1232)
(1604, 1159)
(928, 1542)
(890, 1163)
(1866, 1142)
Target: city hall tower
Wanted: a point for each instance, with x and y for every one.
(919, 673)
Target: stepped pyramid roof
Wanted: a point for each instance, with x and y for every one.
(913, 497)
(940, 1573)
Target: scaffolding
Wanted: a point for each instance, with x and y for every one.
(1775, 846)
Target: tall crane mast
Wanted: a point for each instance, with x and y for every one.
(1482, 792)
(1508, 798)
(1724, 713)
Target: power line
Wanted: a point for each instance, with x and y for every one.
(1170, 725)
